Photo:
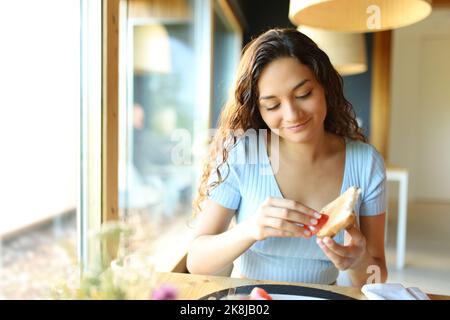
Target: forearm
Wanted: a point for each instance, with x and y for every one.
(368, 270)
(209, 254)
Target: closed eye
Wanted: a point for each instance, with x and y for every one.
(272, 108)
(296, 97)
(304, 96)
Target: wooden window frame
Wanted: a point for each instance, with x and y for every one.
(110, 110)
(99, 123)
(112, 13)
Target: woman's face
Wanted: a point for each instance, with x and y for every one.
(291, 100)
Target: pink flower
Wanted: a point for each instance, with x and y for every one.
(164, 292)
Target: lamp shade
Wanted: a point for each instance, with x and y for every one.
(151, 49)
(347, 51)
(176, 10)
(358, 15)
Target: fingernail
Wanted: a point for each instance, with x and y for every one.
(306, 232)
(317, 215)
(327, 240)
(313, 221)
(312, 228)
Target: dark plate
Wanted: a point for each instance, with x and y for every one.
(277, 289)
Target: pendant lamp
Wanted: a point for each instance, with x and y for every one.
(347, 51)
(152, 49)
(358, 15)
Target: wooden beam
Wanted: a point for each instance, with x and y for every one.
(110, 108)
(441, 4)
(380, 102)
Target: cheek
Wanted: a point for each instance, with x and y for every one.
(323, 111)
(270, 118)
(319, 108)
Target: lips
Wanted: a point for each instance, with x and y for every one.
(298, 127)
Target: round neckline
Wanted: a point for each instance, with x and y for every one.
(274, 180)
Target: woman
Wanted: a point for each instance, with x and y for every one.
(287, 86)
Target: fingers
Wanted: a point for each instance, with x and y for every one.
(271, 232)
(356, 235)
(292, 205)
(286, 226)
(343, 257)
(334, 247)
(291, 215)
(341, 262)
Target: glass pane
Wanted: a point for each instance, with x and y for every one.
(39, 126)
(91, 131)
(160, 118)
(227, 47)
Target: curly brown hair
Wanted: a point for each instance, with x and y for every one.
(241, 112)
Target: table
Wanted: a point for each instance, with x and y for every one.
(192, 287)
(401, 175)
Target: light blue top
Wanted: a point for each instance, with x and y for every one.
(250, 181)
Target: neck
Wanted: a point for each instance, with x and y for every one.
(306, 152)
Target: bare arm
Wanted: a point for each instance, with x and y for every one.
(215, 247)
(363, 252)
(373, 263)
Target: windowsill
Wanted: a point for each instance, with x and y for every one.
(171, 247)
(166, 239)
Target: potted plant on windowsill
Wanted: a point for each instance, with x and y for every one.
(116, 275)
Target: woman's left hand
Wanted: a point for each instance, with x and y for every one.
(348, 256)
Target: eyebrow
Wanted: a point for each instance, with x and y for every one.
(301, 83)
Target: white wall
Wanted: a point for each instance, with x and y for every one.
(420, 106)
(39, 110)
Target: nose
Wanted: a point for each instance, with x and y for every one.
(291, 111)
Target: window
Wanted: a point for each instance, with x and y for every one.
(164, 120)
(227, 47)
(53, 119)
(39, 129)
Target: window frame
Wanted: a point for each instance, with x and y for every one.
(98, 200)
(103, 87)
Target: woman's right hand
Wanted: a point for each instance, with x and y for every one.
(278, 217)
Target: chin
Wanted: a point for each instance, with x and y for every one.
(297, 140)
(301, 137)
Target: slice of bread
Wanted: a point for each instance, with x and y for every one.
(340, 213)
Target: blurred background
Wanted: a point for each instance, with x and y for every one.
(175, 66)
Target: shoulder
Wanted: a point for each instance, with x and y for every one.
(371, 176)
(246, 150)
(365, 164)
(369, 173)
(243, 158)
(363, 152)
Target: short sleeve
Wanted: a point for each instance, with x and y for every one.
(374, 197)
(228, 192)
